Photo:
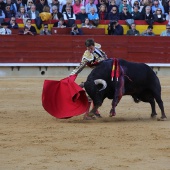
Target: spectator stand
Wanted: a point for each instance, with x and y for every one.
(141, 25)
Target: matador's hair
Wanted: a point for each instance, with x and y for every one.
(89, 42)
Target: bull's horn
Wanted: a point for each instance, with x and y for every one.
(101, 81)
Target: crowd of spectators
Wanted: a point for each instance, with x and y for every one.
(89, 12)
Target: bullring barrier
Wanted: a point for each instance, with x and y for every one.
(58, 55)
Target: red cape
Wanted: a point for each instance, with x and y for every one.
(64, 98)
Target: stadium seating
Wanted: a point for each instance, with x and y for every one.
(141, 25)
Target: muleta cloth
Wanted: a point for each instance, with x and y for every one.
(64, 99)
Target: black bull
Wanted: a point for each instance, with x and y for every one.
(135, 79)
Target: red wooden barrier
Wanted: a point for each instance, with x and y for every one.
(85, 31)
(69, 49)
(16, 31)
(59, 31)
(93, 31)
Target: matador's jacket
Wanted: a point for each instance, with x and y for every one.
(90, 59)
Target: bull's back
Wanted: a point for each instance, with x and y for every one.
(139, 75)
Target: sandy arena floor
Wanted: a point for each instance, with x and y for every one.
(31, 139)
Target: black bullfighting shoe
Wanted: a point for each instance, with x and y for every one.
(97, 114)
(87, 117)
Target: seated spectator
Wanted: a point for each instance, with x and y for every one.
(156, 5)
(168, 15)
(166, 6)
(158, 16)
(45, 30)
(145, 4)
(60, 24)
(93, 15)
(40, 5)
(148, 16)
(114, 14)
(46, 8)
(5, 30)
(90, 5)
(123, 5)
(148, 32)
(102, 2)
(30, 27)
(56, 15)
(26, 31)
(103, 15)
(45, 15)
(2, 5)
(106, 2)
(68, 14)
(8, 12)
(69, 5)
(57, 4)
(33, 13)
(112, 3)
(17, 5)
(28, 5)
(12, 23)
(76, 7)
(21, 14)
(114, 28)
(2, 15)
(137, 3)
(82, 15)
(87, 1)
(136, 14)
(167, 31)
(125, 14)
(87, 24)
(133, 30)
(75, 30)
(10, 3)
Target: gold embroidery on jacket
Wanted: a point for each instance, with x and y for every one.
(87, 55)
(97, 45)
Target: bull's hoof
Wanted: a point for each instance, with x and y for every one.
(153, 115)
(90, 114)
(162, 119)
(112, 114)
(98, 115)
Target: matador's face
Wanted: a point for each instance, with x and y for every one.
(91, 48)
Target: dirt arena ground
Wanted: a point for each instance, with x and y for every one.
(32, 139)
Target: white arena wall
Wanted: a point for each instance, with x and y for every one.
(59, 69)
